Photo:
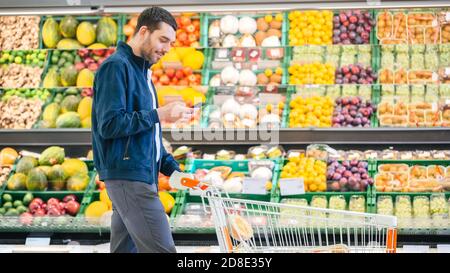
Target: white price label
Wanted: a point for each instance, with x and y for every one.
(292, 186)
(37, 241)
(254, 186)
(434, 23)
(195, 192)
(275, 53)
(223, 53)
(265, 98)
(238, 66)
(447, 71)
(443, 248)
(447, 17)
(416, 249)
(447, 101)
(434, 77)
(239, 53)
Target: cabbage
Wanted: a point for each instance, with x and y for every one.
(387, 60)
(349, 49)
(387, 48)
(349, 90)
(403, 60)
(445, 59)
(364, 48)
(444, 90)
(431, 60)
(364, 59)
(417, 61)
(347, 59)
(418, 48)
(365, 91)
(388, 89)
(432, 90)
(334, 49)
(402, 48)
(444, 48)
(418, 90)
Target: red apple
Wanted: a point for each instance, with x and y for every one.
(170, 72)
(72, 207)
(69, 197)
(179, 74)
(164, 80)
(34, 206)
(53, 211)
(26, 218)
(52, 201)
(80, 66)
(93, 67)
(39, 212)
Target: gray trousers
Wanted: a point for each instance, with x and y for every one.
(139, 222)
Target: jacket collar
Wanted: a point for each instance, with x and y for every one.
(127, 50)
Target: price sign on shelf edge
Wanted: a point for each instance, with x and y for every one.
(292, 186)
(254, 186)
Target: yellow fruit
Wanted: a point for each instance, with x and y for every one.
(86, 123)
(85, 107)
(95, 210)
(183, 51)
(268, 18)
(268, 186)
(73, 166)
(279, 71)
(268, 72)
(167, 201)
(192, 96)
(85, 78)
(279, 17)
(97, 46)
(105, 198)
(166, 91)
(170, 56)
(194, 60)
(86, 33)
(8, 156)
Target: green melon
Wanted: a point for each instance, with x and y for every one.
(25, 164)
(68, 26)
(57, 178)
(17, 182)
(51, 156)
(36, 180)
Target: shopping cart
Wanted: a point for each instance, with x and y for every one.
(254, 226)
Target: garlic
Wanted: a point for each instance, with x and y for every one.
(247, 78)
(230, 75)
(229, 24)
(230, 41)
(271, 41)
(214, 29)
(247, 25)
(247, 40)
(248, 111)
(230, 106)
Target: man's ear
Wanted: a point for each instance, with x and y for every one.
(141, 31)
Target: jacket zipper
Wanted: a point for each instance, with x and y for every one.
(125, 156)
(155, 173)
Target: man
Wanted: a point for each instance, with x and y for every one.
(126, 136)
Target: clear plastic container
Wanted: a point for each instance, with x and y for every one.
(424, 155)
(371, 154)
(382, 181)
(439, 210)
(421, 211)
(319, 201)
(393, 168)
(406, 155)
(418, 172)
(319, 151)
(257, 152)
(425, 185)
(385, 205)
(389, 154)
(439, 155)
(403, 211)
(436, 172)
(355, 155)
(337, 202)
(293, 216)
(357, 203)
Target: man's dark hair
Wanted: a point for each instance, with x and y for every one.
(152, 17)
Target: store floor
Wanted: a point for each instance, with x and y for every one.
(104, 248)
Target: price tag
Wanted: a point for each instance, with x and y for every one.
(434, 23)
(447, 17)
(275, 53)
(37, 241)
(416, 249)
(434, 77)
(254, 186)
(238, 66)
(447, 101)
(195, 192)
(292, 186)
(443, 248)
(222, 54)
(447, 71)
(265, 98)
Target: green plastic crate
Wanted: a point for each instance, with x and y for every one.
(92, 19)
(183, 199)
(50, 193)
(210, 17)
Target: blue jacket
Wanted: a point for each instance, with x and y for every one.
(123, 121)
